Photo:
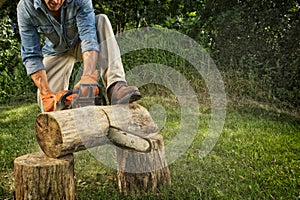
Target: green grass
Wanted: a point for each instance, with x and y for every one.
(17, 138)
(256, 157)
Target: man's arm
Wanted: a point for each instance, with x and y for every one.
(32, 57)
(90, 73)
(90, 59)
(41, 81)
(89, 42)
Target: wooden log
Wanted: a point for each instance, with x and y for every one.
(142, 172)
(129, 126)
(39, 177)
(63, 132)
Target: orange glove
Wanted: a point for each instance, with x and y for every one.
(88, 79)
(40, 80)
(69, 98)
(49, 102)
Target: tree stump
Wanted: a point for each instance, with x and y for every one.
(142, 172)
(39, 177)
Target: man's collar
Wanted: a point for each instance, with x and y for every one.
(38, 3)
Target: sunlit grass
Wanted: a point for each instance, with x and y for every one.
(256, 156)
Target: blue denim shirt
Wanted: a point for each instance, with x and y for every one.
(34, 20)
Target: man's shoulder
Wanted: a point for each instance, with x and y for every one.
(29, 8)
(80, 2)
(26, 5)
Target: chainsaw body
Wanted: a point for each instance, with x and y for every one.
(76, 99)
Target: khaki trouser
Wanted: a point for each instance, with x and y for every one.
(59, 67)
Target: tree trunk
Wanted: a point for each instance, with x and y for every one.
(63, 132)
(141, 172)
(39, 177)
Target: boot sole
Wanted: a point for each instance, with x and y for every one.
(128, 98)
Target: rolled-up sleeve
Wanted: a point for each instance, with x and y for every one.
(31, 51)
(86, 23)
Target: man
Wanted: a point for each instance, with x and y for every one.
(73, 33)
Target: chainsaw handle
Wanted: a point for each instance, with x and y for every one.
(99, 98)
(61, 102)
(90, 88)
(81, 99)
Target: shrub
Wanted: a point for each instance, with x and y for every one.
(14, 82)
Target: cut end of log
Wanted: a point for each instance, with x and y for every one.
(38, 159)
(48, 133)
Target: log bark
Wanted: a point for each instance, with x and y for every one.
(68, 131)
(142, 172)
(38, 177)
(63, 132)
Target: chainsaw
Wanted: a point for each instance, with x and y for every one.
(84, 96)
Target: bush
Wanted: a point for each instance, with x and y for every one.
(14, 82)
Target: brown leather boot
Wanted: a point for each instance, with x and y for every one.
(121, 93)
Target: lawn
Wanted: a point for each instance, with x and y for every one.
(257, 156)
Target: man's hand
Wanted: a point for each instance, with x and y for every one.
(49, 102)
(41, 81)
(88, 79)
(67, 101)
(90, 74)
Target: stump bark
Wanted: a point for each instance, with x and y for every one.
(142, 172)
(38, 177)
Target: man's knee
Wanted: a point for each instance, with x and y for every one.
(101, 17)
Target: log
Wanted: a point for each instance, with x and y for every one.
(68, 131)
(63, 132)
(142, 172)
(141, 160)
(39, 177)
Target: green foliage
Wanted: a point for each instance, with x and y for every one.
(259, 40)
(255, 43)
(14, 83)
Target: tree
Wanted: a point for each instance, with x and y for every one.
(249, 39)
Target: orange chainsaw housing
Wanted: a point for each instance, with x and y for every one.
(68, 99)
